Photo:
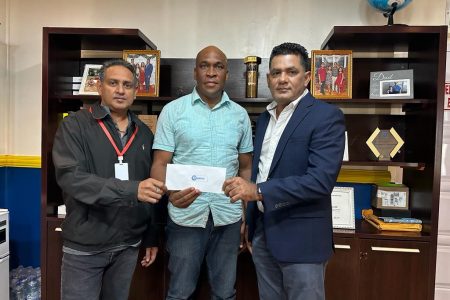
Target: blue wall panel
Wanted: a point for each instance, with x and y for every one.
(21, 195)
(2, 186)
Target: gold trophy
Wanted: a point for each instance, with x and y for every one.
(251, 76)
(385, 143)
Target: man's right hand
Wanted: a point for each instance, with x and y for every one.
(183, 198)
(151, 190)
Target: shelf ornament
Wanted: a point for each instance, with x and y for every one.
(384, 143)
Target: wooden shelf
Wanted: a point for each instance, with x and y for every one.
(55, 218)
(103, 38)
(260, 100)
(365, 230)
(409, 165)
(382, 101)
(69, 98)
(397, 38)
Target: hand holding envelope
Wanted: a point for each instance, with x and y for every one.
(237, 188)
(151, 190)
(202, 178)
(183, 198)
(189, 181)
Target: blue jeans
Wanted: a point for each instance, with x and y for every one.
(188, 246)
(285, 280)
(106, 275)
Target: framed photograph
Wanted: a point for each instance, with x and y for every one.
(343, 207)
(89, 81)
(392, 84)
(146, 63)
(331, 74)
(447, 96)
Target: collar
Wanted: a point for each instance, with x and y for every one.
(196, 98)
(100, 111)
(293, 105)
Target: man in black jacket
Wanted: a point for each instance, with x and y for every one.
(102, 157)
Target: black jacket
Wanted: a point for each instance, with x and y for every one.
(102, 212)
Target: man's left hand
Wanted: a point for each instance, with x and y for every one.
(238, 188)
(150, 256)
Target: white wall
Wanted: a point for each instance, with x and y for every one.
(4, 87)
(179, 28)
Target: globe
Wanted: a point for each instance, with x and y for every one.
(386, 5)
(389, 7)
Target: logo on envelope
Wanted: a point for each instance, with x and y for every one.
(199, 178)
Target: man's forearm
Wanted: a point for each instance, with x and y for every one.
(245, 173)
(158, 171)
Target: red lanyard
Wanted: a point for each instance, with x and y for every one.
(119, 153)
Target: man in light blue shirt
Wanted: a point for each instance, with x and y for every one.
(203, 128)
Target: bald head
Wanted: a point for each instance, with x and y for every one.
(208, 50)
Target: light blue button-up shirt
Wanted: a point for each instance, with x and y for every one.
(199, 135)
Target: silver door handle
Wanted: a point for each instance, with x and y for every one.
(391, 249)
(337, 246)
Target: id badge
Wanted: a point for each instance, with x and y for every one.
(121, 170)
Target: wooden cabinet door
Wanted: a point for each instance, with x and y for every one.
(393, 270)
(341, 278)
(54, 258)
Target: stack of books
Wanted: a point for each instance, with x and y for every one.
(393, 224)
(68, 85)
(364, 176)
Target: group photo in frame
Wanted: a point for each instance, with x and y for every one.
(89, 81)
(331, 74)
(146, 63)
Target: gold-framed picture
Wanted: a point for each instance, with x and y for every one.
(146, 63)
(331, 72)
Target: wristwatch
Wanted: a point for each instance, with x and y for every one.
(258, 190)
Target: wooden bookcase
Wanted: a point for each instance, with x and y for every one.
(393, 265)
(367, 263)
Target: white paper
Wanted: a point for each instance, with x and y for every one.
(343, 201)
(392, 199)
(205, 179)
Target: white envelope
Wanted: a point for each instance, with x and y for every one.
(205, 179)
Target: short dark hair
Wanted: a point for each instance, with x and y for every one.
(117, 62)
(291, 48)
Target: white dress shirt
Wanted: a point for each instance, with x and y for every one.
(274, 130)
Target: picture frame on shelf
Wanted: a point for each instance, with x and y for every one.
(331, 74)
(146, 63)
(343, 207)
(89, 80)
(394, 84)
(447, 96)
